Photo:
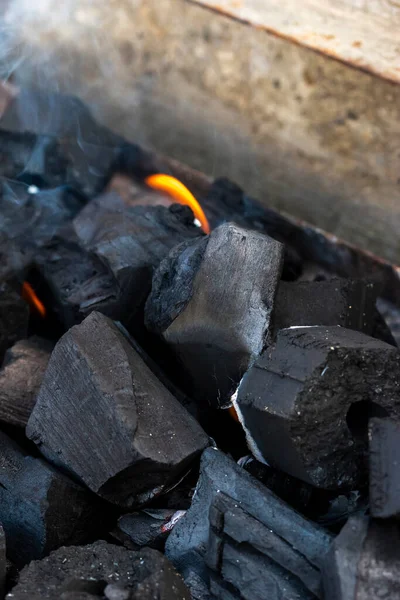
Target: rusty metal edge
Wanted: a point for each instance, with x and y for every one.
(364, 67)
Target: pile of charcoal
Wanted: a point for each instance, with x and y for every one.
(182, 415)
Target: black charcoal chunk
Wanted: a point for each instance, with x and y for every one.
(78, 282)
(345, 302)
(131, 242)
(100, 570)
(148, 527)
(213, 306)
(131, 439)
(305, 404)
(40, 508)
(226, 498)
(384, 465)
(3, 563)
(364, 563)
(232, 531)
(21, 377)
(14, 317)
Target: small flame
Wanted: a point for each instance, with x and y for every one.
(31, 298)
(179, 192)
(233, 413)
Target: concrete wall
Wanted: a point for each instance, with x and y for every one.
(301, 132)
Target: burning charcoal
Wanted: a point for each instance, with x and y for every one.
(131, 438)
(243, 511)
(14, 317)
(147, 527)
(384, 461)
(101, 570)
(345, 302)
(305, 405)
(212, 301)
(364, 562)
(78, 282)
(40, 508)
(20, 379)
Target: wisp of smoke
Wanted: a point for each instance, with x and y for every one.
(56, 46)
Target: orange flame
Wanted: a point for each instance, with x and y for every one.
(179, 192)
(233, 413)
(31, 298)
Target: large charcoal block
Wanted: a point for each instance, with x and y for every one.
(21, 377)
(345, 302)
(130, 437)
(101, 570)
(14, 317)
(305, 404)
(283, 567)
(271, 528)
(212, 302)
(364, 563)
(384, 464)
(40, 508)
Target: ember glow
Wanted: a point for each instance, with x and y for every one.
(179, 192)
(31, 298)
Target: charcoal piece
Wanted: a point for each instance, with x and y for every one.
(30, 217)
(283, 566)
(77, 282)
(40, 508)
(21, 377)
(73, 141)
(148, 527)
(14, 317)
(3, 563)
(384, 464)
(102, 570)
(346, 302)
(213, 306)
(290, 535)
(305, 404)
(131, 438)
(131, 242)
(363, 563)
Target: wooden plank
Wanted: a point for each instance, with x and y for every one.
(362, 33)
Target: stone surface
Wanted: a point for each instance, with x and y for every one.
(305, 404)
(130, 438)
(21, 377)
(212, 302)
(384, 465)
(40, 508)
(280, 534)
(100, 570)
(363, 563)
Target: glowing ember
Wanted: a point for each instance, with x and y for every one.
(30, 297)
(233, 413)
(179, 192)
